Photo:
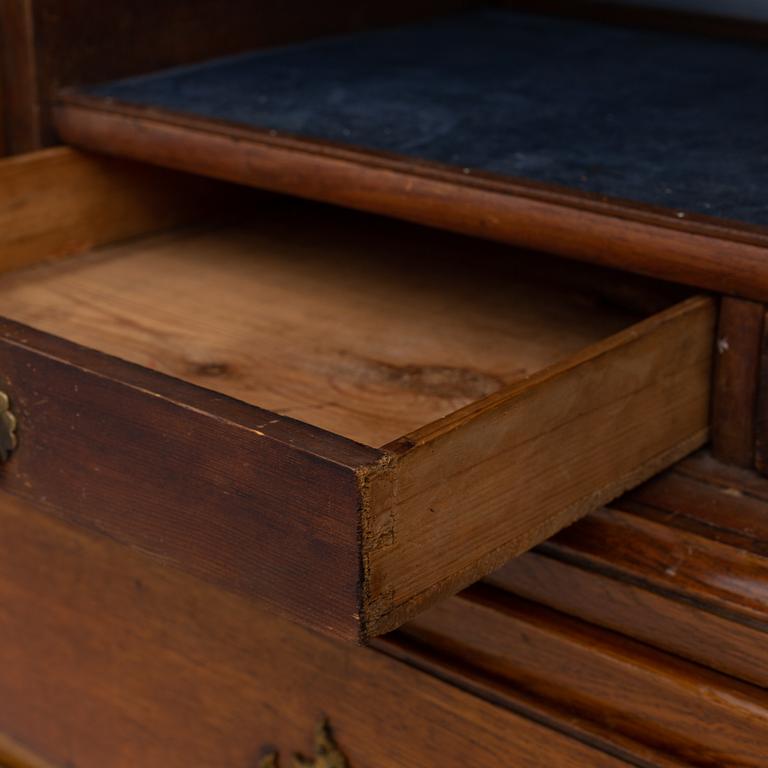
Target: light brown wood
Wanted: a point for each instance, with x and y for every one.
(59, 201)
(489, 482)
(328, 319)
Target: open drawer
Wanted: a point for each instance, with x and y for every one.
(343, 417)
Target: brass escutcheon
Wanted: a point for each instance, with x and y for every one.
(327, 754)
(7, 428)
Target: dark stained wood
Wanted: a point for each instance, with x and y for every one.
(19, 100)
(761, 427)
(723, 257)
(734, 400)
(258, 503)
(55, 43)
(613, 599)
(681, 564)
(111, 660)
(693, 714)
(706, 20)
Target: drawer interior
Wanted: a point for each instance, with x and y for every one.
(358, 325)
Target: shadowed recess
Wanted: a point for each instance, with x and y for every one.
(654, 117)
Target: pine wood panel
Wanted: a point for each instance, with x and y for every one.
(338, 322)
(148, 667)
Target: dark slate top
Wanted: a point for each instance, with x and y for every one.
(649, 116)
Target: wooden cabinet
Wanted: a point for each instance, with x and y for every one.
(502, 424)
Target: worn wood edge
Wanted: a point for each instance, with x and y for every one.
(379, 517)
(293, 438)
(382, 618)
(735, 390)
(726, 257)
(334, 448)
(478, 409)
(15, 755)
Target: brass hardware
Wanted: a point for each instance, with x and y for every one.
(7, 428)
(327, 754)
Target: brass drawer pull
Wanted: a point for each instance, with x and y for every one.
(327, 754)
(7, 428)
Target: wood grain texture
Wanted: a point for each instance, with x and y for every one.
(149, 667)
(734, 396)
(718, 256)
(494, 479)
(695, 715)
(258, 503)
(680, 564)
(495, 373)
(761, 415)
(356, 326)
(58, 202)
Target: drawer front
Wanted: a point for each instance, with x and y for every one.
(113, 661)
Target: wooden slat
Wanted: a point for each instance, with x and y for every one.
(496, 478)
(613, 599)
(111, 660)
(721, 257)
(699, 716)
(73, 45)
(729, 514)
(761, 426)
(734, 396)
(680, 563)
(258, 503)
(292, 310)
(59, 201)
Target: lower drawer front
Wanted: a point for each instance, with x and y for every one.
(113, 661)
